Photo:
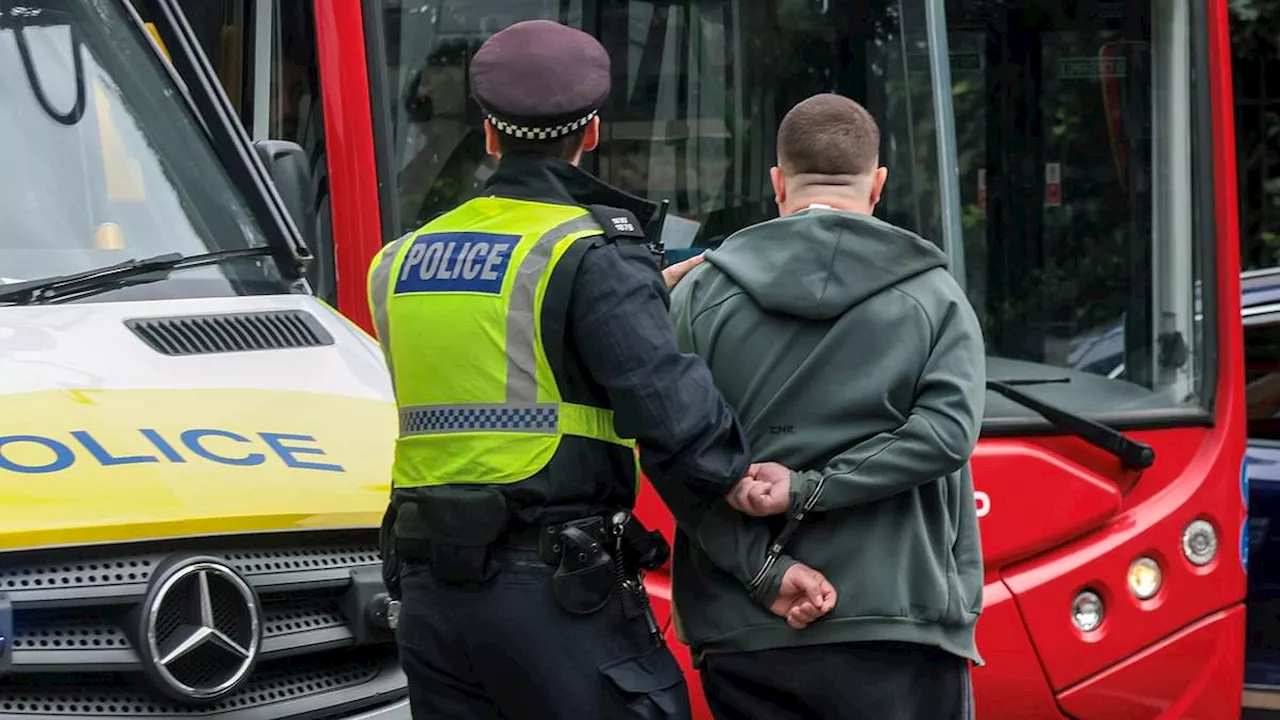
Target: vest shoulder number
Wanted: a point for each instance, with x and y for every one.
(456, 262)
(617, 223)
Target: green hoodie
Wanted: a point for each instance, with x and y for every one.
(852, 357)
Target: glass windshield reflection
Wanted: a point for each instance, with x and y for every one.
(1072, 135)
(104, 163)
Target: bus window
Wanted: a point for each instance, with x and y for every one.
(1073, 141)
(1074, 125)
(698, 91)
(224, 29)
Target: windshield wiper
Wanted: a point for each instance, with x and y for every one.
(17, 20)
(140, 270)
(1133, 455)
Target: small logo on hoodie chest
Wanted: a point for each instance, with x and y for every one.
(782, 429)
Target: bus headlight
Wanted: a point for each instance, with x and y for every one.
(1086, 611)
(1200, 542)
(1144, 578)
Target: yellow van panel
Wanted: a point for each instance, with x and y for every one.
(96, 466)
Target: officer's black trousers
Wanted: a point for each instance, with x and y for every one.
(506, 650)
(880, 681)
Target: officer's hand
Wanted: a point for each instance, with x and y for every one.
(674, 273)
(765, 491)
(805, 596)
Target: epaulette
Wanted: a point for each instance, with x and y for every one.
(617, 223)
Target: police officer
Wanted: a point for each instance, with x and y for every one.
(530, 348)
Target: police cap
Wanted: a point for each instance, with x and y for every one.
(540, 80)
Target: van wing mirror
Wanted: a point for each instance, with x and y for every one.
(287, 163)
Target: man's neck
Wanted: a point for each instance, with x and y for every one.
(832, 201)
(849, 193)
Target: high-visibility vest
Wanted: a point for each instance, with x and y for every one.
(458, 309)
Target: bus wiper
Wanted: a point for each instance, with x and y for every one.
(135, 271)
(1133, 455)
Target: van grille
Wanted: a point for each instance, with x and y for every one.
(76, 620)
(107, 698)
(235, 332)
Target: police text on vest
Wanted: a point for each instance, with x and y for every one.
(456, 262)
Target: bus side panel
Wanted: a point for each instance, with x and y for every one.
(1011, 684)
(1194, 674)
(353, 167)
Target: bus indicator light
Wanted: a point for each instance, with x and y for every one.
(1087, 611)
(1200, 543)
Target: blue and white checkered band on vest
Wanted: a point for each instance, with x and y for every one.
(541, 133)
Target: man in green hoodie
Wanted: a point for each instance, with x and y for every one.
(856, 365)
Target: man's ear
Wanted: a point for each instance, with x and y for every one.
(491, 140)
(877, 184)
(778, 179)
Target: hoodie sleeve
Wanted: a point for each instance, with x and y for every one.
(735, 543)
(936, 439)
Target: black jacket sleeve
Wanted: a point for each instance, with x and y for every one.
(691, 446)
(664, 399)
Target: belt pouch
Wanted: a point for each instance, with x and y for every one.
(461, 524)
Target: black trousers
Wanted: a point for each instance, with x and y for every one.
(863, 681)
(506, 650)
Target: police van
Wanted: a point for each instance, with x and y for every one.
(194, 451)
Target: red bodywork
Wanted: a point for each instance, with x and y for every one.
(1057, 516)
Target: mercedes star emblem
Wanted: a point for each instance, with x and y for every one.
(201, 630)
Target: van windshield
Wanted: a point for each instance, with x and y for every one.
(105, 162)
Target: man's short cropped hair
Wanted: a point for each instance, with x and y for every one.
(828, 134)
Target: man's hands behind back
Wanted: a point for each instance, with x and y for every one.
(805, 596)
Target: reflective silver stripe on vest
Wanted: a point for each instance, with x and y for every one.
(439, 419)
(522, 365)
(379, 285)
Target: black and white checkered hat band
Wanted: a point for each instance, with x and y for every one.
(536, 133)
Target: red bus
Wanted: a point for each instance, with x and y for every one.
(1075, 159)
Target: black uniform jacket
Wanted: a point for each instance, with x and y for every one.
(611, 344)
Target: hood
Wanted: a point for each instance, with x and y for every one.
(103, 439)
(818, 263)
